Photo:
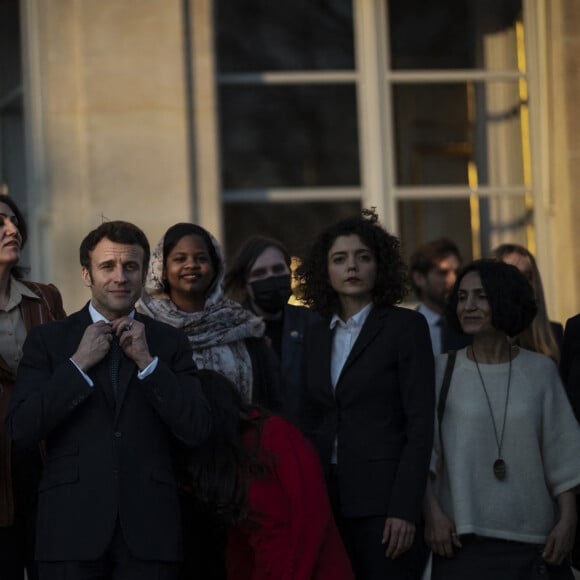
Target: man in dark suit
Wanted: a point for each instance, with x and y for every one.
(112, 393)
(570, 372)
(434, 267)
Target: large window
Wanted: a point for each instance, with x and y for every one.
(456, 81)
(288, 117)
(419, 108)
(12, 172)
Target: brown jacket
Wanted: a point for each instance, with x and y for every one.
(34, 312)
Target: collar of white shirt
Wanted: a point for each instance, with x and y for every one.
(96, 316)
(354, 321)
(431, 316)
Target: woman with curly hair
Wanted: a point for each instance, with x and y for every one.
(500, 501)
(541, 335)
(369, 391)
(260, 477)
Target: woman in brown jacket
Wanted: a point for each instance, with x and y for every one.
(22, 305)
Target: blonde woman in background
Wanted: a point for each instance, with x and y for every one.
(543, 335)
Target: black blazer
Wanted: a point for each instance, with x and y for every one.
(296, 321)
(570, 362)
(382, 412)
(107, 460)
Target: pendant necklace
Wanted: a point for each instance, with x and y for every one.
(499, 465)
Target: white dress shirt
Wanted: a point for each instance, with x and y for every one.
(345, 335)
(433, 320)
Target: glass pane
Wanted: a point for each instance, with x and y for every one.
(421, 221)
(10, 68)
(260, 35)
(289, 136)
(12, 168)
(12, 163)
(501, 220)
(444, 131)
(454, 34)
(294, 224)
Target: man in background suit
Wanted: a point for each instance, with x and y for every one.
(111, 392)
(434, 267)
(570, 372)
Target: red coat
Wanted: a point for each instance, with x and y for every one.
(292, 534)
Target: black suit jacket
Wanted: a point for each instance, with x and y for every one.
(570, 362)
(382, 412)
(107, 460)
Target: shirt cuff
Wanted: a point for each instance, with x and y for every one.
(85, 376)
(148, 369)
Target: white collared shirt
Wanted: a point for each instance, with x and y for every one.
(345, 335)
(433, 320)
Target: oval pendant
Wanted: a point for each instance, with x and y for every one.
(499, 469)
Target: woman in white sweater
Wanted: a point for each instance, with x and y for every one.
(500, 502)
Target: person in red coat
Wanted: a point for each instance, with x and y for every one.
(259, 475)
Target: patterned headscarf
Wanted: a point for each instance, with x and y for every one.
(216, 334)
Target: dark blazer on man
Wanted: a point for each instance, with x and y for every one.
(570, 362)
(382, 412)
(108, 458)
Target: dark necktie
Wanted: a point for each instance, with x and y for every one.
(115, 364)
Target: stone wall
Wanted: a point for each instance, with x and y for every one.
(564, 117)
(113, 124)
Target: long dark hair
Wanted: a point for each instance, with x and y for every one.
(391, 281)
(538, 336)
(17, 271)
(221, 467)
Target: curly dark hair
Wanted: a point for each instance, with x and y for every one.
(391, 281)
(219, 468)
(510, 296)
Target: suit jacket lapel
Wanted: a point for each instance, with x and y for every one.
(99, 374)
(322, 336)
(370, 329)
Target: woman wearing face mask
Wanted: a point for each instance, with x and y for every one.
(22, 305)
(260, 279)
